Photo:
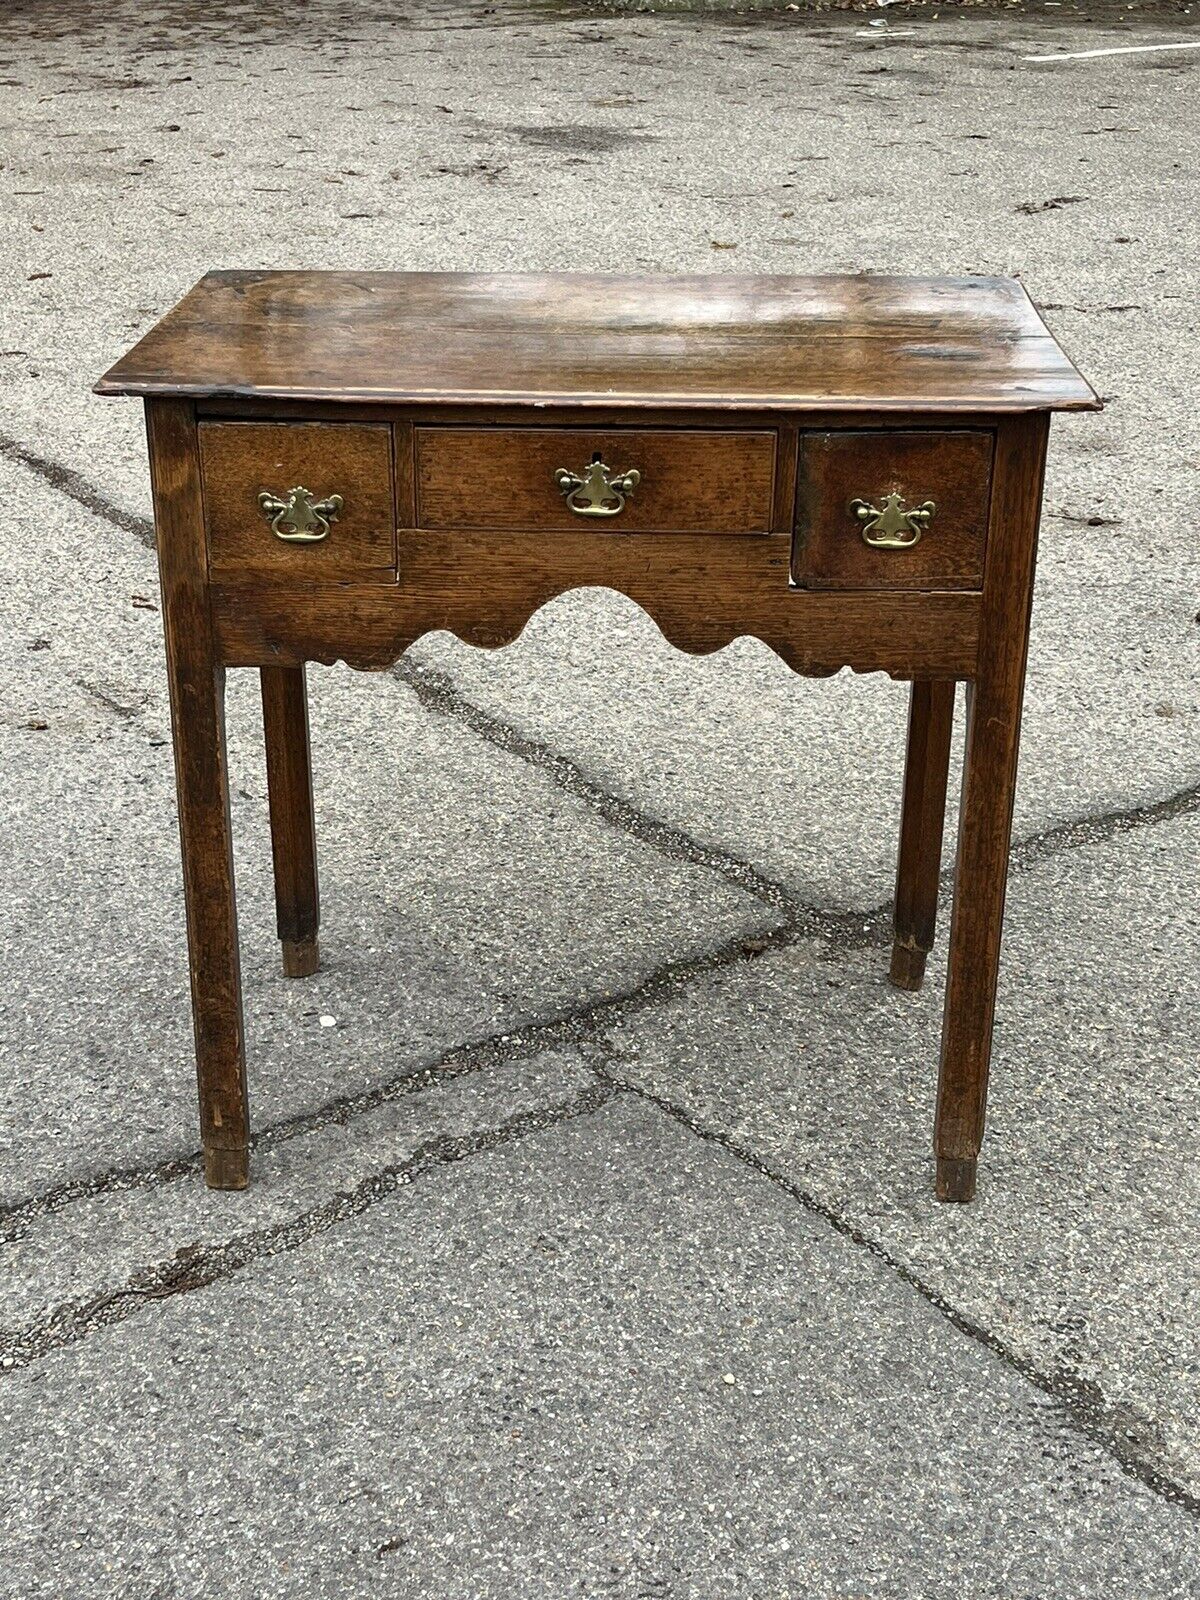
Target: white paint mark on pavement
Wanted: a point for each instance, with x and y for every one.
(1115, 50)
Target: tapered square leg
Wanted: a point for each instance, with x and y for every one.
(979, 890)
(197, 688)
(985, 816)
(293, 831)
(922, 823)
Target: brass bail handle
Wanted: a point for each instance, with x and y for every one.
(891, 527)
(300, 518)
(599, 492)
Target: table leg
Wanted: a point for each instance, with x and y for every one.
(979, 889)
(922, 820)
(293, 834)
(197, 686)
(985, 816)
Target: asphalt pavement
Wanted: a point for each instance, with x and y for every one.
(591, 1247)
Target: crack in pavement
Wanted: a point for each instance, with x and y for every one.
(76, 487)
(1101, 827)
(1081, 1401)
(436, 691)
(557, 1029)
(196, 1266)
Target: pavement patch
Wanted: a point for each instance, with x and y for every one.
(604, 1359)
(1087, 1203)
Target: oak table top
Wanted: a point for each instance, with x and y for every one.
(847, 468)
(726, 342)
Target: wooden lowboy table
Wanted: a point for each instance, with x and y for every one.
(849, 469)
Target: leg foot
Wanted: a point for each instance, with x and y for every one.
(908, 967)
(956, 1177)
(226, 1169)
(301, 958)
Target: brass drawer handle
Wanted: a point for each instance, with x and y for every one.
(598, 493)
(892, 528)
(299, 519)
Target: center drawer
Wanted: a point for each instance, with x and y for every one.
(688, 480)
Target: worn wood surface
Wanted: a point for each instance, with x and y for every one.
(922, 822)
(985, 818)
(951, 469)
(439, 406)
(702, 593)
(241, 459)
(692, 481)
(197, 687)
(293, 831)
(722, 341)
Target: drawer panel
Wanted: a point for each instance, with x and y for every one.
(241, 460)
(845, 478)
(692, 481)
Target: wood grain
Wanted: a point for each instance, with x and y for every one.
(702, 593)
(293, 830)
(439, 405)
(197, 687)
(503, 478)
(952, 469)
(239, 460)
(985, 816)
(720, 342)
(922, 822)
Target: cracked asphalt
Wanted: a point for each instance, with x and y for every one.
(591, 1247)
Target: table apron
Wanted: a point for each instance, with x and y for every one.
(369, 626)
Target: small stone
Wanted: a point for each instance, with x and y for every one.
(327, 1021)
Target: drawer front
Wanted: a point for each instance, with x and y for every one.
(892, 510)
(504, 478)
(241, 461)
